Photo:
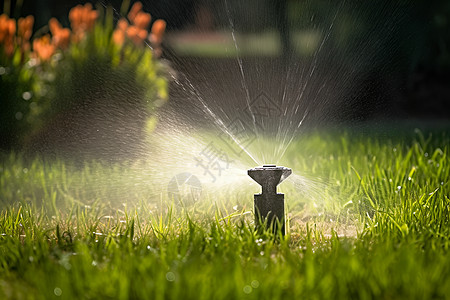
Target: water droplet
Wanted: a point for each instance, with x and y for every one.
(43, 91)
(57, 57)
(395, 149)
(19, 115)
(247, 289)
(50, 76)
(26, 96)
(32, 62)
(2, 71)
(255, 284)
(57, 291)
(426, 154)
(25, 170)
(399, 187)
(170, 276)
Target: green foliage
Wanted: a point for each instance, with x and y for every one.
(94, 74)
(98, 232)
(20, 98)
(97, 67)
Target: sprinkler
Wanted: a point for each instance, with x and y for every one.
(269, 205)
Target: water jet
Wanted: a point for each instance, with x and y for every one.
(269, 205)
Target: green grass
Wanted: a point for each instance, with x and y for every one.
(97, 231)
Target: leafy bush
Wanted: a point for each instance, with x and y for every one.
(19, 83)
(86, 83)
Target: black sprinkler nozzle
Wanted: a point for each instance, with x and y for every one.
(269, 205)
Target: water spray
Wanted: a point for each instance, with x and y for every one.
(269, 205)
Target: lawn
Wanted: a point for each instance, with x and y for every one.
(368, 217)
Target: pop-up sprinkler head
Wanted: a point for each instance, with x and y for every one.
(269, 205)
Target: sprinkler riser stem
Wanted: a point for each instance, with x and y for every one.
(269, 210)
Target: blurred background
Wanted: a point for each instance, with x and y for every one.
(331, 62)
(402, 48)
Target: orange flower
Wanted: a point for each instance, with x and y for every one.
(135, 9)
(137, 32)
(122, 24)
(43, 47)
(142, 20)
(134, 34)
(24, 32)
(61, 36)
(82, 18)
(7, 33)
(142, 34)
(54, 26)
(75, 17)
(12, 27)
(3, 27)
(25, 27)
(158, 28)
(139, 18)
(119, 32)
(119, 37)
